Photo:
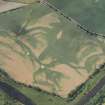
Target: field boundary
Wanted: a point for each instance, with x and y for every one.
(70, 20)
(2, 71)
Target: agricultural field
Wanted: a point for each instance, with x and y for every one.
(42, 49)
(89, 13)
(45, 98)
(33, 93)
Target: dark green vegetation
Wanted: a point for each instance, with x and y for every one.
(6, 100)
(99, 99)
(89, 13)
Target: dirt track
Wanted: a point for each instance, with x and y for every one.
(5, 6)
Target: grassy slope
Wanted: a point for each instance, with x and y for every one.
(89, 13)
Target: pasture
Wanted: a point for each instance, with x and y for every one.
(41, 48)
(89, 13)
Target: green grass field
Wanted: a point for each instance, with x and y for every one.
(89, 13)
